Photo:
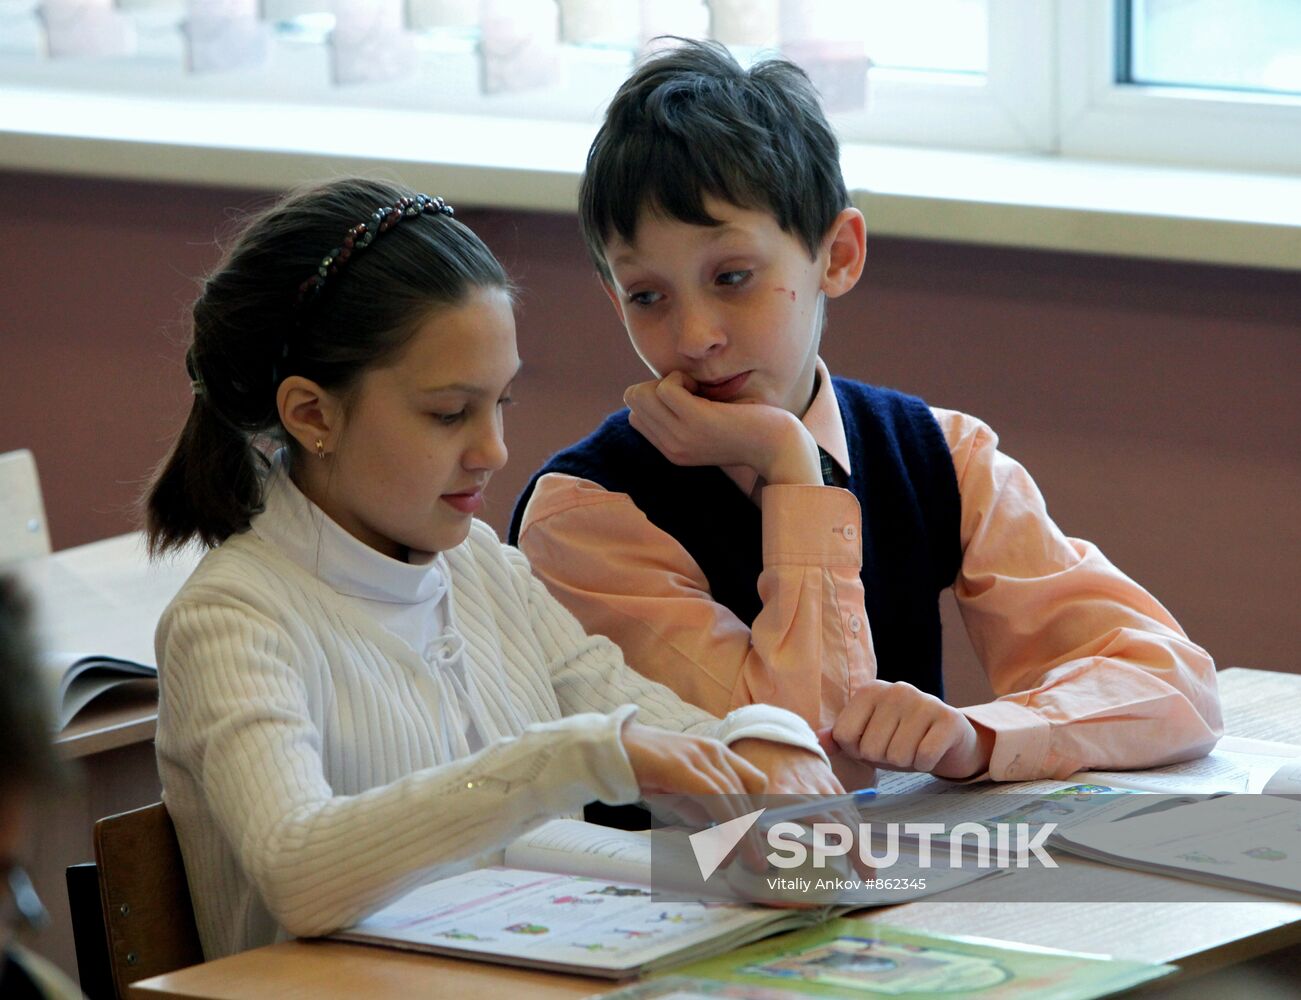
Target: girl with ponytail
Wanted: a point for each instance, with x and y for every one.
(362, 689)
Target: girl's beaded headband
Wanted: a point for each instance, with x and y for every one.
(363, 234)
(359, 237)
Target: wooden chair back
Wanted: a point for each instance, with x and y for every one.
(23, 531)
(144, 896)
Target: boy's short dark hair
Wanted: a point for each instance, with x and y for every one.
(691, 123)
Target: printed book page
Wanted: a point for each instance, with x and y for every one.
(1129, 924)
(1243, 840)
(574, 847)
(1237, 766)
(1233, 766)
(567, 922)
(1285, 779)
(949, 804)
(1257, 703)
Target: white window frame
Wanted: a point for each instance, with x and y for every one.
(1011, 108)
(1100, 118)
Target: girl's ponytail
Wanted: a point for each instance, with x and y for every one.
(208, 487)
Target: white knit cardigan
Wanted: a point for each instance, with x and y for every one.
(299, 744)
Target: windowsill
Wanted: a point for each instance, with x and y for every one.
(1019, 200)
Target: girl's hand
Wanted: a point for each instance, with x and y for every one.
(901, 728)
(793, 771)
(690, 430)
(706, 781)
(790, 770)
(666, 763)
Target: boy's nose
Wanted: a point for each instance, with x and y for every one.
(699, 335)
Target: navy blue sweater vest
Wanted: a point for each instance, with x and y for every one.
(905, 484)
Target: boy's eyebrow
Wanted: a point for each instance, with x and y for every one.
(466, 387)
(716, 233)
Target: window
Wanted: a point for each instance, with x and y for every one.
(1202, 82)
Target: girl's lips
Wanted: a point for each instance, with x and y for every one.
(466, 503)
(721, 392)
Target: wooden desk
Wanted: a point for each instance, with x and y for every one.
(1199, 937)
(104, 597)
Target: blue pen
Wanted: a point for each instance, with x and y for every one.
(799, 810)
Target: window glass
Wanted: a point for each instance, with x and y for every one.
(1247, 45)
(938, 36)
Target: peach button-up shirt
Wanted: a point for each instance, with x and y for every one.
(1089, 669)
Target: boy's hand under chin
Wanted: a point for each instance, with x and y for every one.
(690, 430)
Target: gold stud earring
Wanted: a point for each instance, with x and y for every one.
(320, 448)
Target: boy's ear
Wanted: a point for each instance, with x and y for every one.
(845, 246)
(613, 295)
(309, 413)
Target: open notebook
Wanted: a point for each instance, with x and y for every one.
(75, 680)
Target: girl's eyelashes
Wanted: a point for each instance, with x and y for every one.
(452, 419)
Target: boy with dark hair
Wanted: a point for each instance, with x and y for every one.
(752, 530)
(30, 767)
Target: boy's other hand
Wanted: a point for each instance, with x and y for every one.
(897, 726)
(690, 430)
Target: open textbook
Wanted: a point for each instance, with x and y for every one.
(74, 680)
(578, 898)
(1232, 818)
(852, 958)
(1249, 842)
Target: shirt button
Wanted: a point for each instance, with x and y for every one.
(851, 532)
(855, 624)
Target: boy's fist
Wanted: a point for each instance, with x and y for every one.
(896, 726)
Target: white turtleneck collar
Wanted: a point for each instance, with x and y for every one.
(303, 532)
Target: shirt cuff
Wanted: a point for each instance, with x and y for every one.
(1020, 739)
(811, 525)
(615, 781)
(768, 722)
